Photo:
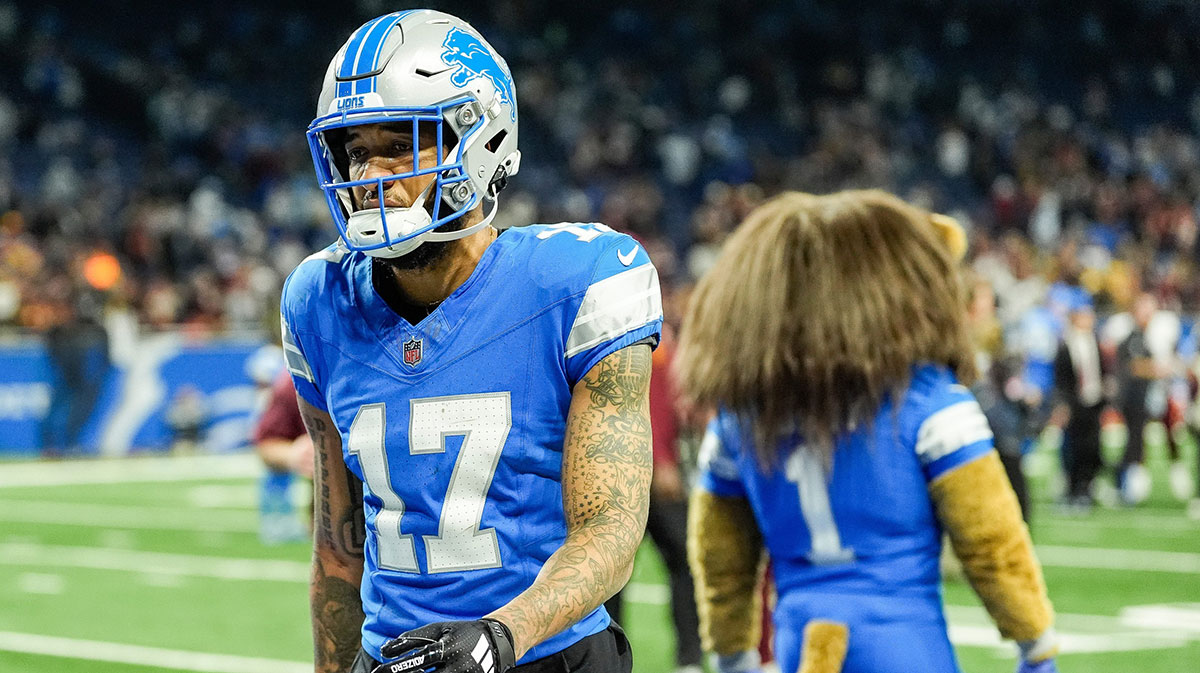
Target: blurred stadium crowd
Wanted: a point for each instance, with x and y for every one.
(157, 164)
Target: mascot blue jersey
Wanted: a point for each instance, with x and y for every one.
(455, 425)
(859, 543)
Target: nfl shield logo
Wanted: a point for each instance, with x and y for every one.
(412, 351)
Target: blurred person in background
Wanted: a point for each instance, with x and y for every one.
(1193, 421)
(846, 444)
(187, 415)
(1038, 336)
(998, 387)
(1142, 396)
(286, 450)
(1174, 356)
(1079, 400)
(77, 345)
(1169, 396)
(492, 388)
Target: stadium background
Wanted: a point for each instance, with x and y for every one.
(155, 188)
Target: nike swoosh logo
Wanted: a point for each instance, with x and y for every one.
(432, 73)
(627, 257)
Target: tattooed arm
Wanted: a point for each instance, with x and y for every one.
(338, 533)
(606, 493)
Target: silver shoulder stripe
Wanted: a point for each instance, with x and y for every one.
(296, 363)
(614, 306)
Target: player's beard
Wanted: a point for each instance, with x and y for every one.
(427, 255)
(430, 253)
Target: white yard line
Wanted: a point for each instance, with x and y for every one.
(128, 470)
(159, 517)
(49, 584)
(1135, 629)
(1173, 521)
(975, 615)
(137, 655)
(1118, 559)
(153, 563)
(218, 567)
(646, 593)
(970, 635)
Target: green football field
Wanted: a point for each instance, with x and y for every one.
(154, 564)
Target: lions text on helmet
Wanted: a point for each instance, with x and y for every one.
(416, 127)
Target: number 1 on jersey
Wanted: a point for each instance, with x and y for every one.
(807, 471)
(483, 421)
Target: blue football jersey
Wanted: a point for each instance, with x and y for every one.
(859, 542)
(456, 425)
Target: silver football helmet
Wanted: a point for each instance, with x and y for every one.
(420, 67)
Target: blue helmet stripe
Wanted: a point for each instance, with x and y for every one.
(355, 48)
(363, 51)
(350, 58)
(374, 48)
(369, 55)
(370, 45)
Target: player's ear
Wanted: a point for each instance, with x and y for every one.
(952, 234)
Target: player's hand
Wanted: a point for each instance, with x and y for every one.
(481, 646)
(1043, 666)
(667, 482)
(301, 459)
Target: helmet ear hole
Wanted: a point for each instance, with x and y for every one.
(494, 144)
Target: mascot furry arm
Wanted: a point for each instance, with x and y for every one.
(726, 554)
(979, 511)
(725, 551)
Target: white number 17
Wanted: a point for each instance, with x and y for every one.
(483, 421)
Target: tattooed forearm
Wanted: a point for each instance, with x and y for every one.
(338, 516)
(337, 620)
(337, 548)
(606, 494)
(354, 524)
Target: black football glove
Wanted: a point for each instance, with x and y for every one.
(481, 646)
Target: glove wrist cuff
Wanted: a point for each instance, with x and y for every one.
(1040, 648)
(502, 640)
(740, 662)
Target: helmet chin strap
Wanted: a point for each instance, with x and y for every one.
(489, 215)
(410, 218)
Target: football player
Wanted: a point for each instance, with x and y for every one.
(831, 333)
(477, 400)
